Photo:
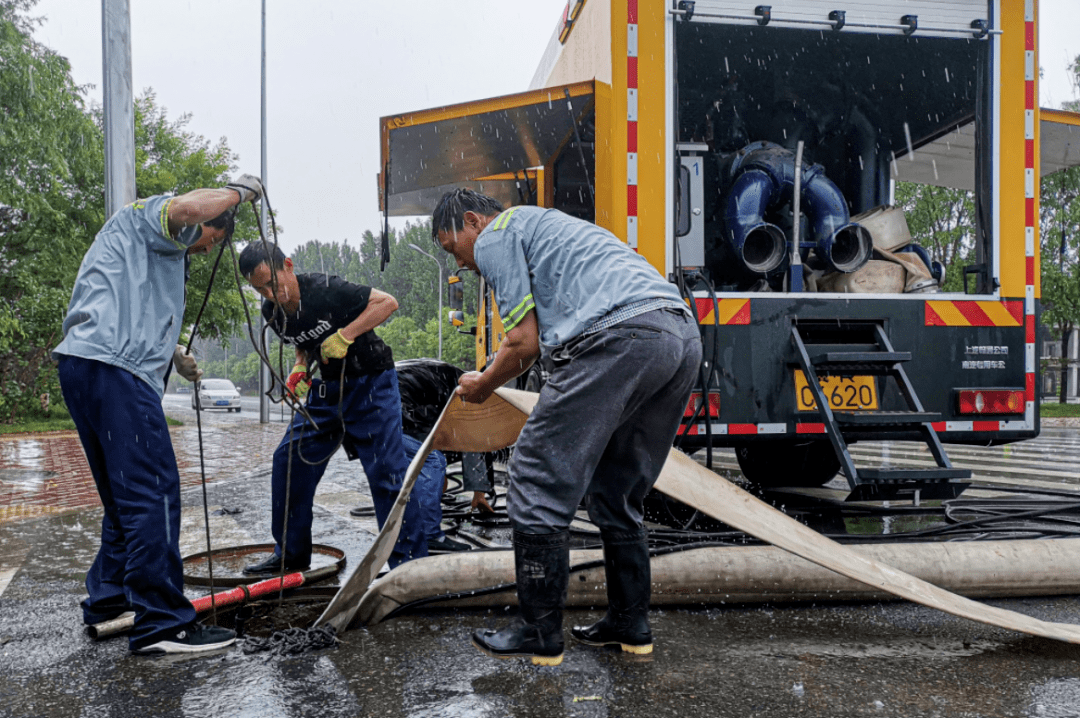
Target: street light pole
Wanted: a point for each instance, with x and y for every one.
(264, 370)
(119, 112)
(437, 262)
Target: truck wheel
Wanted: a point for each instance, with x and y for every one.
(532, 380)
(801, 464)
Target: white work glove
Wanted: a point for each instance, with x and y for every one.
(185, 364)
(248, 186)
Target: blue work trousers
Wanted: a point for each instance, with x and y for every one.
(365, 415)
(429, 487)
(126, 440)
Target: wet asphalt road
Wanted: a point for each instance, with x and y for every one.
(879, 659)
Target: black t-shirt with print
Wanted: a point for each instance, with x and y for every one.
(328, 303)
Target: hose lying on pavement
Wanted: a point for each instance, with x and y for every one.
(237, 595)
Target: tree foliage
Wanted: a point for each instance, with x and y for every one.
(1059, 225)
(52, 203)
(941, 219)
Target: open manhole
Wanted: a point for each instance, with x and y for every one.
(228, 565)
(299, 608)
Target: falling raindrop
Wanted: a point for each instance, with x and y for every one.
(907, 137)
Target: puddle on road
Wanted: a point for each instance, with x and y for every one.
(25, 477)
(27, 454)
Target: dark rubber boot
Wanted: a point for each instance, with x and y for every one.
(542, 566)
(272, 564)
(629, 584)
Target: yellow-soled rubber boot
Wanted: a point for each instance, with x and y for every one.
(542, 566)
(629, 579)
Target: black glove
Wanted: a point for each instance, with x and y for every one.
(249, 188)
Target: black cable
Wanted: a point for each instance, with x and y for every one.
(198, 424)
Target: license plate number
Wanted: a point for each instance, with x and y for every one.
(845, 393)
(224, 402)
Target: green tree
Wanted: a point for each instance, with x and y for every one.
(50, 204)
(941, 220)
(1059, 224)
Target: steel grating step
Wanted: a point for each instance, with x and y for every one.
(907, 491)
(888, 474)
(885, 418)
(861, 357)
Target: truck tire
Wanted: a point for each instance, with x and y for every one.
(532, 380)
(790, 463)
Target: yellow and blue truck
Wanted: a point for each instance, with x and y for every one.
(750, 152)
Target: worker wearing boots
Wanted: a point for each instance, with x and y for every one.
(355, 402)
(625, 353)
(120, 343)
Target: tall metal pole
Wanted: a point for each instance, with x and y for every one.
(118, 105)
(437, 262)
(264, 370)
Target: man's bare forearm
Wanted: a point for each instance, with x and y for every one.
(200, 205)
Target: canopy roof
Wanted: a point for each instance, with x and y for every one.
(949, 161)
(478, 143)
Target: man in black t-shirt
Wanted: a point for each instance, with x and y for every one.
(356, 401)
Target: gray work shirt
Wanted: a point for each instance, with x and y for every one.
(127, 306)
(570, 271)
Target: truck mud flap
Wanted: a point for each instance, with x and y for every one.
(496, 423)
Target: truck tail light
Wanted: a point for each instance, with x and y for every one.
(694, 405)
(991, 401)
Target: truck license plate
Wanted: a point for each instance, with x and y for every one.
(854, 393)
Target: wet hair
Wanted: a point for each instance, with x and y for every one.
(449, 214)
(226, 220)
(258, 253)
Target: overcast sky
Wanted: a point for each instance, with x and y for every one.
(335, 67)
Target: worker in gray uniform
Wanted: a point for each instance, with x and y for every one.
(119, 347)
(626, 352)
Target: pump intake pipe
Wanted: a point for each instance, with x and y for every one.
(760, 178)
(761, 246)
(843, 245)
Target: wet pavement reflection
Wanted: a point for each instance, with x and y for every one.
(855, 659)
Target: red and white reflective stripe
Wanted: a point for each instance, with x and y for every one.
(632, 123)
(737, 429)
(803, 428)
(1030, 183)
(972, 425)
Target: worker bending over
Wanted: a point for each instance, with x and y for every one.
(330, 323)
(625, 353)
(120, 342)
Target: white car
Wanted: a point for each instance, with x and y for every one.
(216, 394)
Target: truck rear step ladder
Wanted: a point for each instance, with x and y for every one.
(884, 483)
